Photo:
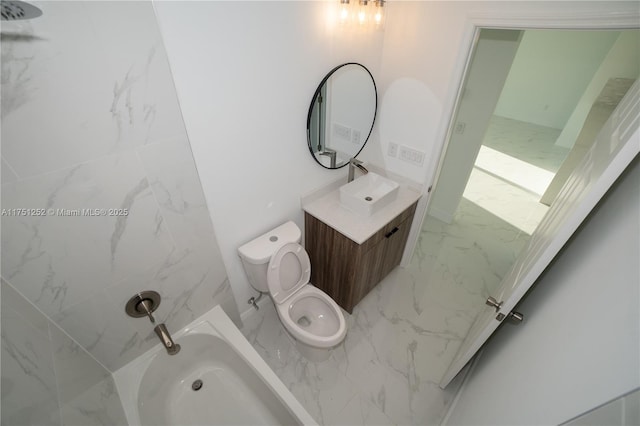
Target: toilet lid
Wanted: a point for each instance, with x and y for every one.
(289, 270)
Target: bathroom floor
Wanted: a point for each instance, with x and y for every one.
(403, 335)
(499, 211)
(388, 368)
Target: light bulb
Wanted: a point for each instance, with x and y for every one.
(378, 16)
(343, 14)
(363, 15)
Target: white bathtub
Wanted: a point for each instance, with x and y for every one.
(238, 387)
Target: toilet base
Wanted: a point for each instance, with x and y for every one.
(311, 353)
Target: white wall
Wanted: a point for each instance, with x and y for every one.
(494, 53)
(622, 61)
(579, 345)
(550, 73)
(245, 73)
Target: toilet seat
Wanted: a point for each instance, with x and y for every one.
(295, 299)
(289, 269)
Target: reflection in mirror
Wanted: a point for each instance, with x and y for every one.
(341, 115)
(530, 107)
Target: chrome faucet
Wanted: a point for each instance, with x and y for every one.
(162, 332)
(332, 156)
(353, 163)
(143, 304)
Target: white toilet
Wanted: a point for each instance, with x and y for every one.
(277, 264)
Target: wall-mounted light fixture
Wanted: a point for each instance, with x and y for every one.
(362, 13)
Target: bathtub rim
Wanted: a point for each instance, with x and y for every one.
(215, 322)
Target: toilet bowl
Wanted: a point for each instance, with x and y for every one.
(306, 312)
(314, 321)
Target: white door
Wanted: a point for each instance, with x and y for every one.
(615, 147)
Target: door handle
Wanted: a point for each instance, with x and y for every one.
(393, 231)
(493, 303)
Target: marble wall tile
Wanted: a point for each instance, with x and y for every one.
(86, 390)
(109, 135)
(188, 288)
(97, 406)
(76, 370)
(47, 378)
(29, 394)
(58, 260)
(8, 175)
(174, 180)
(93, 87)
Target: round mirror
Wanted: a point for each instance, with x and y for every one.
(341, 115)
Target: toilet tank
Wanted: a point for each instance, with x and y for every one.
(255, 254)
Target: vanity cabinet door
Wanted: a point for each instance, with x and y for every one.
(395, 241)
(370, 270)
(334, 258)
(348, 271)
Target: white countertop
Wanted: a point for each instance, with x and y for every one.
(325, 205)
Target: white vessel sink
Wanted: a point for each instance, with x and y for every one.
(368, 194)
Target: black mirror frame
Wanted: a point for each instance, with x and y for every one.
(313, 101)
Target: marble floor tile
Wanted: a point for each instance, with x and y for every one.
(531, 143)
(386, 371)
(358, 411)
(510, 169)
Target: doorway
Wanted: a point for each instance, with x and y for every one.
(500, 163)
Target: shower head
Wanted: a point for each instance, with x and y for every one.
(15, 10)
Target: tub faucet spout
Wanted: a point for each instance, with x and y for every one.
(162, 332)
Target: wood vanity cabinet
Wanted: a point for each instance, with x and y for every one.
(348, 271)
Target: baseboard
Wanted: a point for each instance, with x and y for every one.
(441, 215)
